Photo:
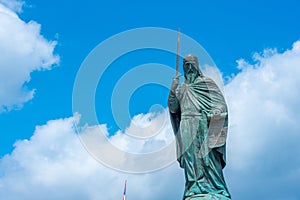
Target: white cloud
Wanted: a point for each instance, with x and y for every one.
(153, 150)
(263, 144)
(23, 50)
(53, 164)
(15, 5)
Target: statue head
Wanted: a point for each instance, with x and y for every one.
(191, 68)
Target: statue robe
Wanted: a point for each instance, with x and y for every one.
(200, 136)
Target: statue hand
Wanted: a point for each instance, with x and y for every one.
(216, 113)
(175, 83)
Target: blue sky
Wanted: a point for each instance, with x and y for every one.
(239, 36)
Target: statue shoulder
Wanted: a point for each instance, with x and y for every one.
(205, 79)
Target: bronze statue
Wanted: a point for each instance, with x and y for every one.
(199, 118)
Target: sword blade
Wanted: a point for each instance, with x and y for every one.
(178, 52)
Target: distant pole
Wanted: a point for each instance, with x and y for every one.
(178, 53)
(124, 193)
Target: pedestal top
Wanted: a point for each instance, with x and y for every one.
(207, 197)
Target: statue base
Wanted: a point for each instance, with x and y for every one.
(207, 197)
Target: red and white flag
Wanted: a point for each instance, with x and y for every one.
(124, 193)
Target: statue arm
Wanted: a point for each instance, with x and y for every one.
(173, 102)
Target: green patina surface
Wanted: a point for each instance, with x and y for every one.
(199, 117)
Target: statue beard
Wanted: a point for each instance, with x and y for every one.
(191, 76)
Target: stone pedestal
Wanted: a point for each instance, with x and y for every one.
(207, 197)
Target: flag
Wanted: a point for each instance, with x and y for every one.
(124, 193)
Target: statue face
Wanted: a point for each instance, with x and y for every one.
(190, 72)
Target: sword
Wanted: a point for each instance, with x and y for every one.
(178, 53)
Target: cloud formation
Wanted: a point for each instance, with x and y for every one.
(15, 5)
(23, 50)
(263, 144)
(53, 164)
(262, 157)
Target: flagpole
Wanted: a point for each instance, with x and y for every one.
(124, 193)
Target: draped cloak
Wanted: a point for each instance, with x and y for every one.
(206, 96)
(208, 123)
